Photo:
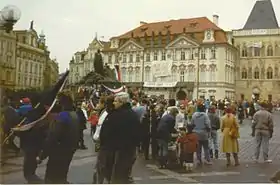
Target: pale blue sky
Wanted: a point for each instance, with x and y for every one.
(70, 25)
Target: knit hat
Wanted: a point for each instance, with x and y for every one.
(25, 101)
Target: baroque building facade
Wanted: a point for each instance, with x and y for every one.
(32, 56)
(51, 73)
(7, 59)
(82, 61)
(187, 57)
(258, 43)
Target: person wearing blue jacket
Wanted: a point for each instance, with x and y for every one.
(31, 142)
(203, 129)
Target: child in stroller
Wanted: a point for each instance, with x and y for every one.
(187, 146)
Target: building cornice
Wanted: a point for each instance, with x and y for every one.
(257, 32)
(31, 48)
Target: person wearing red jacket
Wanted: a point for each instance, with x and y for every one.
(93, 120)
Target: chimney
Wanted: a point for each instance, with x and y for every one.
(142, 23)
(216, 19)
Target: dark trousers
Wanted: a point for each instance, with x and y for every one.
(81, 139)
(205, 145)
(104, 166)
(58, 166)
(145, 146)
(154, 148)
(123, 162)
(30, 165)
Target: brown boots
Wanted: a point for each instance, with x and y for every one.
(236, 160)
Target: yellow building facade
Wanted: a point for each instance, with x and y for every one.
(7, 59)
(258, 43)
(51, 73)
(31, 58)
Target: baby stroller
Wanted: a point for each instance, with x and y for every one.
(172, 156)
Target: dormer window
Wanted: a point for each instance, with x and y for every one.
(144, 29)
(193, 24)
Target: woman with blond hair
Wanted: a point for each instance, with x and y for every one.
(230, 130)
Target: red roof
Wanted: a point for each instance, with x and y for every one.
(173, 26)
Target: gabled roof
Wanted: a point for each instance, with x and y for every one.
(262, 16)
(173, 26)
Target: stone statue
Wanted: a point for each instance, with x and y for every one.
(98, 63)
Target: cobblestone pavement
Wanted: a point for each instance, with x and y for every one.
(144, 172)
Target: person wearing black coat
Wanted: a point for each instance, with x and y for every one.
(119, 137)
(82, 124)
(61, 142)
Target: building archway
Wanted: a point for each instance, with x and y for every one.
(181, 95)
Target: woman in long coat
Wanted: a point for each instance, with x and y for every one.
(230, 130)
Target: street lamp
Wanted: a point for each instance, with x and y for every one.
(9, 15)
(197, 74)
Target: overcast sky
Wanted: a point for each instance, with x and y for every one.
(70, 25)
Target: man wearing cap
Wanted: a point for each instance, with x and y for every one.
(31, 143)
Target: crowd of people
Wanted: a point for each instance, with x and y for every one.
(124, 127)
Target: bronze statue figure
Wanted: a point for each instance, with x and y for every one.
(98, 63)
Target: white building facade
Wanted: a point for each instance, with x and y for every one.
(82, 62)
(176, 57)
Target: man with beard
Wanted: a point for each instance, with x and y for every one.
(61, 142)
(119, 136)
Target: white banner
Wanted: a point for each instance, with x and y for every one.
(160, 84)
(162, 68)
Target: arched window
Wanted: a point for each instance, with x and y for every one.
(257, 51)
(244, 52)
(202, 73)
(244, 74)
(130, 75)
(191, 73)
(256, 73)
(269, 73)
(174, 74)
(269, 51)
(147, 74)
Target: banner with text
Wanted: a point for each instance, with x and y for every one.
(162, 68)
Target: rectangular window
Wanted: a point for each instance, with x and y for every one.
(130, 58)
(163, 55)
(155, 55)
(124, 58)
(137, 57)
(203, 56)
(191, 55)
(183, 55)
(213, 53)
(137, 75)
(110, 59)
(182, 76)
(148, 57)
